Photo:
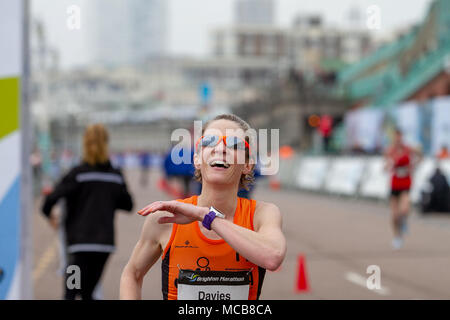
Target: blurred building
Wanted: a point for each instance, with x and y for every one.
(127, 31)
(254, 12)
(245, 56)
(308, 46)
(110, 31)
(312, 43)
(148, 28)
(231, 81)
(142, 105)
(242, 41)
(301, 63)
(273, 77)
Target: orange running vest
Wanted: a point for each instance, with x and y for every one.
(189, 249)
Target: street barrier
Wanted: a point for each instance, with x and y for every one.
(311, 172)
(375, 180)
(421, 177)
(363, 177)
(445, 167)
(344, 176)
(287, 171)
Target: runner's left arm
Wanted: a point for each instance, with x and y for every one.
(124, 199)
(265, 246)
(67, 185)
(388, 162)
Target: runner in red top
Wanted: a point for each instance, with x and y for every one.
(400, 161)
(214, 246)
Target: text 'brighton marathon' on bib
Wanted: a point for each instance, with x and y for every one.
(213, 285)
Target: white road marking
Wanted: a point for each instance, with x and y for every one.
(362, 281)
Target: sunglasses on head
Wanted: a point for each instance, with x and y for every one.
(230, 142)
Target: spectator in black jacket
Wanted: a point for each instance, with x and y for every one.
(437, 199)
(92, 192)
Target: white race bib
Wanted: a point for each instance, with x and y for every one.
(213, 285)
(402, 172)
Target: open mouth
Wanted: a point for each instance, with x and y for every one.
(219, 164)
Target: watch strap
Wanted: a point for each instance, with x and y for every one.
(209, 218)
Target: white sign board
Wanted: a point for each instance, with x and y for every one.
(421, 176)
(311, 172)
(440, 124)
(407, 118)
(376, 179)
(344, 175)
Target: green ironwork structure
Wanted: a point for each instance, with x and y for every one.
(397, 70)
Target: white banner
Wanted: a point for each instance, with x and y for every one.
(364, 129)
(344, 175)
(440, 124)
(421, 177)
(407, 119)
(311, 172)
(376, 179)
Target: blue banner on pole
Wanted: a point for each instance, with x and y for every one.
(205, 93)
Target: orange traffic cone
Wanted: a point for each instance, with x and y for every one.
(302, 278)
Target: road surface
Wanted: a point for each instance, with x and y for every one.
(338, 238)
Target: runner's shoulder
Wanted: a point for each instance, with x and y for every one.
(266, 210)
(264, 205)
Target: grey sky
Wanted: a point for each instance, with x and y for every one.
(191, 20)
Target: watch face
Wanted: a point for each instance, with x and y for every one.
(218, 213)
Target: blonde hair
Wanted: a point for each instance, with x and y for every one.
(95, 144)
(246, 179)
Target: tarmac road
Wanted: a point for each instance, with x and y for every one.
(338, 238)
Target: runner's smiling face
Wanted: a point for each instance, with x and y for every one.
(219, 164)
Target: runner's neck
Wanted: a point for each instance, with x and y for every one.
(223, 199)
